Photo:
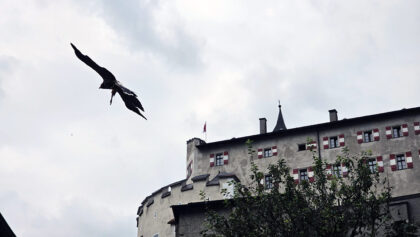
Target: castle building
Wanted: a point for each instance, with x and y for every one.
(393, 139)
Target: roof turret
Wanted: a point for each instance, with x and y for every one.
(280, 122)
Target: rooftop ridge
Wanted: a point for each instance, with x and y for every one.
(333, 124)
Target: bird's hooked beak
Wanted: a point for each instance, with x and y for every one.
(112, 95)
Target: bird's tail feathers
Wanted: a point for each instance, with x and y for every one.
(136, 110)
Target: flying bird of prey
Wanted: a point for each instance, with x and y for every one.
(129, 97)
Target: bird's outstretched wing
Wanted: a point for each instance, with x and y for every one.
(130, 99)
(106, 75)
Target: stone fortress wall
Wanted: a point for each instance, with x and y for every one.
(210, 166)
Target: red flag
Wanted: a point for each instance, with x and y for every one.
(205, 127)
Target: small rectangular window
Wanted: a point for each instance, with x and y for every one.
(372, 165)
(268, 180)
(268, 152)
(368, 136)
(219, 159)
(334, 142)
(396, 131)
(302, 147)
(336, 171)
(303, 174)
(401, 162)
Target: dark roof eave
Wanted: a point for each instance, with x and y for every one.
(187, 187)
(199, 204)
(312, 128)
(228, 175)
(164, 187)
(214, 203)
(200, 177)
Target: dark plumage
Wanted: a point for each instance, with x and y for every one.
(129, 97)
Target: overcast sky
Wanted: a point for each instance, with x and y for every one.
(72, 165)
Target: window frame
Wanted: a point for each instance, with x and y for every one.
(268, 181)
(372, 164)
(305, 176)
(400, 159)
(270, 152)
(397, 128)
(336, 171)
(333, 142)
(370, 136)
(218, 158)
(300, 146)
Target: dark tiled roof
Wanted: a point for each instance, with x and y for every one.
(187, 187)
(165, 194)
(145, 200)
(140, 210)
(280, 122)
(315, 127)
(186, 208)
(163, 188)
(200, 177)
(192, 139)
(215, 180)
(172, 221)
(150, 202)
(200, 204)
(176, 183)
(228, 175)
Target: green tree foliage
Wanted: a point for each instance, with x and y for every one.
(355, 205)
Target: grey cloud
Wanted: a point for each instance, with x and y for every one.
(136, 22)
(75, 217)
(95, 163)
(7, 64)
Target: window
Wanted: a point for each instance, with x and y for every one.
(336, 171)
(303, 174)
(156, 235)
(268, 152)
(302, 147)
(372, 165)
(397, 132)
(219, 159)
(334, 142)
(268, 180)
(368, 136)
(401, 163)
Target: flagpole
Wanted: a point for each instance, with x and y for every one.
(205, 131)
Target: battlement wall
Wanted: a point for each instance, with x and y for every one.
(155, 212)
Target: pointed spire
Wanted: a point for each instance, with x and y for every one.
(280, 122)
